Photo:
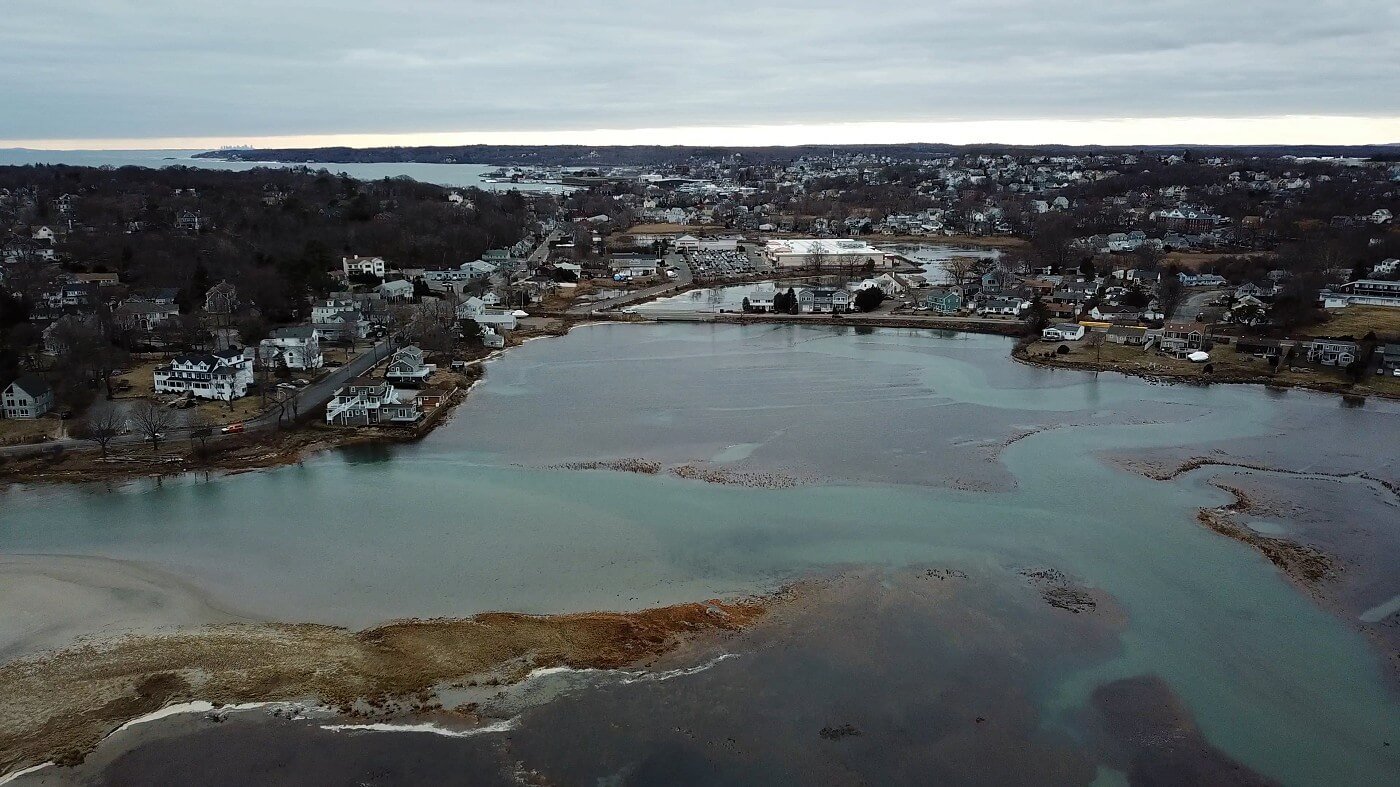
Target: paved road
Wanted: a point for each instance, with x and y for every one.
(1196, 302)
(321, 391)
(307, 399)
(541, 253)
(683, 278)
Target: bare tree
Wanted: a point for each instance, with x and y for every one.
(152, 421)
(1169, 293)
(100, 426)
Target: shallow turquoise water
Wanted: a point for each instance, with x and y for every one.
(468, 520)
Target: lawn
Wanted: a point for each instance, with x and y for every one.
(1358, 320)
(1225, 362)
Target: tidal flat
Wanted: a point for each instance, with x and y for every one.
(916, 451)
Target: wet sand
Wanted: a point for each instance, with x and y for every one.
(873, 676)
(1332, 530)
(57, 706)
(55, 601)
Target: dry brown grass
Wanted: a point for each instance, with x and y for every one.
(1226, 364)
(1358, 320)
(1191, 260)
(662, 229)
(58, 706)
(17, 430)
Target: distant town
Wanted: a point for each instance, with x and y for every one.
(148, 312)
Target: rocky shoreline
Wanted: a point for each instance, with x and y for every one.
(1343, 389)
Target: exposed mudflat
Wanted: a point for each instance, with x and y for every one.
(56, 707)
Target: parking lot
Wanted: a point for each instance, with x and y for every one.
(707, 263)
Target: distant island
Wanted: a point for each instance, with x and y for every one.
(652, 155)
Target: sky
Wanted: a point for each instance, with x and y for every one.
(200, 73)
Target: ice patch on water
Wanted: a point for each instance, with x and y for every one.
(736, 452)
(628, 676)
(198, 706)
(1381, 611)
(425, 727)
(9, 777)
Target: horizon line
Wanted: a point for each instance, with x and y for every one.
(1274, 130)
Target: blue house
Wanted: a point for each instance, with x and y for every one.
(943, 300)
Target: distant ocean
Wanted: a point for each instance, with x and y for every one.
(458, 175)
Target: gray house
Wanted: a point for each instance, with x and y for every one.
(28, 397)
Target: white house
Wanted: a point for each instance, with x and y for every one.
(298, 347)
(1063, 332)
(397, 290)
(474, 309)
(364, 266)
(27, 397)
(222, 375)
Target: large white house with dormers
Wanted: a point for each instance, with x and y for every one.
(223, 375)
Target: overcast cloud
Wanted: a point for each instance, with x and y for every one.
(234, 68)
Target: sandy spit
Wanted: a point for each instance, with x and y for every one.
(56, 707)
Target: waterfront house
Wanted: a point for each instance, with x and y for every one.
(491, 339)
(475, 309)
(297, 347)
(943, 300)
(223, 375)
(1390, 357)
(26, 398)
(406, 367)
(1063, 332)
(823, 300)
(1330, 352)
(1004, 306)
(367, 401)
(430, 398)
(1181, 337)
(1133, 335)
(1264, 347)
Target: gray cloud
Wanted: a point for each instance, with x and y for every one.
(147, 68)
